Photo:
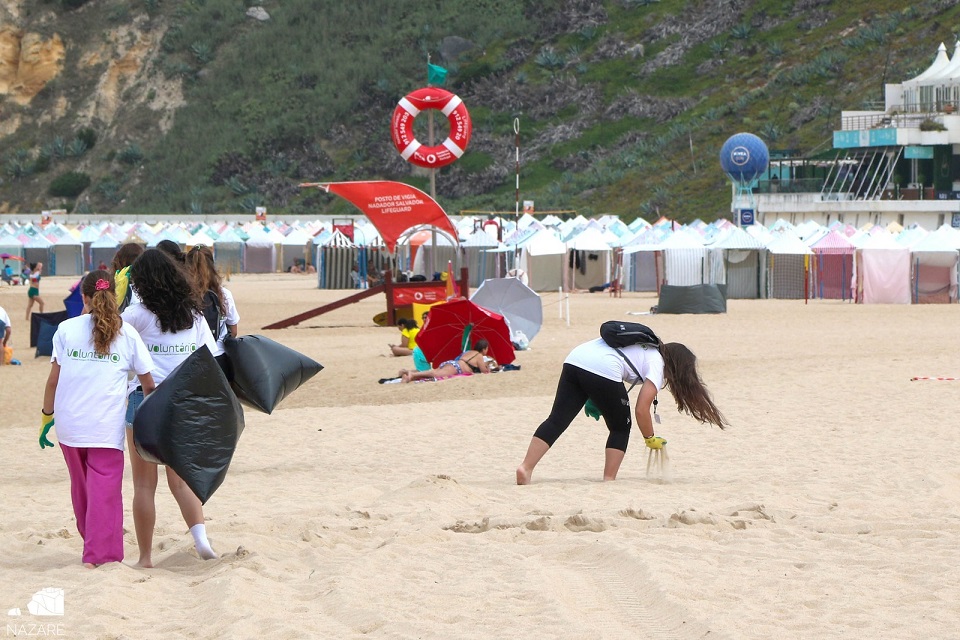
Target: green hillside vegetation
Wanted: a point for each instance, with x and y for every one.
(623, 105)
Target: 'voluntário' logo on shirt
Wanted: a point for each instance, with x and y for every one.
(93, 356)
(172, 349)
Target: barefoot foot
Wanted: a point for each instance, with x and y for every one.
(523, 476)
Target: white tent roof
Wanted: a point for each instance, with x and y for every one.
(787, 243)
(199, 238)
(876, 241)
(952, 70)
(735, 238)
(590, 239)
(943, 239)
(940, 62)
(544, 243)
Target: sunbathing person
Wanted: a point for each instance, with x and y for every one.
(470, 361)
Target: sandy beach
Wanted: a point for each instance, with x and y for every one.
(830, 508)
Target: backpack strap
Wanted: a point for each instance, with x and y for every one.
(640, 378)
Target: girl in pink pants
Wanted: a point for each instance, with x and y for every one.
(86, 389)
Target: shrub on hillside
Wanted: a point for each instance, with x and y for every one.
(69, 185)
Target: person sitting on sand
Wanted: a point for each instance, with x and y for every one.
(470, 361)
(408, 332)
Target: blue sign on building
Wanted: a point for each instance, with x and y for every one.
(864, 138)
(746, 217)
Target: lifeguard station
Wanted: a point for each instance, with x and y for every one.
(396, 210)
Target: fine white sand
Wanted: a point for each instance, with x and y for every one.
(829, 509)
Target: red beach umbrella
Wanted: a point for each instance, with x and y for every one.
(441, 337)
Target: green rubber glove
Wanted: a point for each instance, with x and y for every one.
(46, 423)
(591, 410)
(655, 442)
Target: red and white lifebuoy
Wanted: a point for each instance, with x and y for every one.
(401, 127)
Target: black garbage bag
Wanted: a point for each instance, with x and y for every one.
(265, 372)
(191, 423)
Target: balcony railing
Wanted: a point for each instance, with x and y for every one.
(884, 120)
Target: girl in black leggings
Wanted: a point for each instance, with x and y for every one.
(596, 371)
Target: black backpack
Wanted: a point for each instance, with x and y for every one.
(623, 334)
(211, 313)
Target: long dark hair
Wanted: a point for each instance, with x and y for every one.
(203, 268)
(126, 255)
(103, 309)
(173, 250)
(165, 289)
(680, 371)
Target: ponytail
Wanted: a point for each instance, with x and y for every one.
(98, 286)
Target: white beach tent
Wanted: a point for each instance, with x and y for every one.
(228, 251)
(37, 248)
(935, 259)
(295, 246)
(67, 256)
(589, 259)
(541, 258)
(260, 252)
(788, 267)
(641, 268)
(10, 243)
(102, 250)
(743, 256)
(482, 264)
(882, 268)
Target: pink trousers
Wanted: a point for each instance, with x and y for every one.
(96, 485)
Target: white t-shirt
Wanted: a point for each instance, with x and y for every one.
(91, 397)
(167, 349)
(600, 358)
(4, 318)
(230, 318)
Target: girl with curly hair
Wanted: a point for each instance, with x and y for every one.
(168, 319)
(86, 388)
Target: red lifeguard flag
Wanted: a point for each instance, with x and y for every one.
(391, 207)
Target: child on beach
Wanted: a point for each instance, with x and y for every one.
(219, 309)
(595, 371)
(86, 390)
(33, 293)
(169, 320)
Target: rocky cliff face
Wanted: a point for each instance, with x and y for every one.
(92, 79)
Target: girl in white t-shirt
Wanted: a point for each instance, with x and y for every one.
(169, 321)
(218, 301)
(87, 390)
(595, 371)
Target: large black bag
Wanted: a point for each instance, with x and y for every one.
(191, 423)
(623, 334)
(265, 372)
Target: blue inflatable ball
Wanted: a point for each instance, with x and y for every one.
(744, 157)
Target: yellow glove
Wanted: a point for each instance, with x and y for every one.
(46, 423)
(655, 442)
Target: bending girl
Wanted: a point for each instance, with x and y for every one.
(595, 371)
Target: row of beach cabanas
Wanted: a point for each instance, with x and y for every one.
(872, 264)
